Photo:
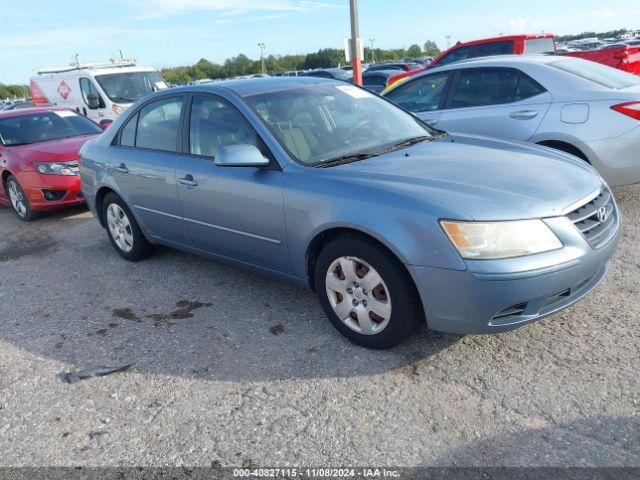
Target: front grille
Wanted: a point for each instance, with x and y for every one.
(596, 219)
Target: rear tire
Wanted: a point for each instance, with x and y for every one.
(19, 201)
(123, 230)
(366, 293)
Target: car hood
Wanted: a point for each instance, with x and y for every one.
(481, 178)
(63, 150)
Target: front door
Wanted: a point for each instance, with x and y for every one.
(236, 212)
(495, 102)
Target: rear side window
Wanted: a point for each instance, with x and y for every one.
(597, 73)
(539, 45)
(159, 124)
(482, 87)
(214, 123)
(461, 53)
(495, 48)
(422, 94)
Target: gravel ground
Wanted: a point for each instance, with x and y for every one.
(234, 368)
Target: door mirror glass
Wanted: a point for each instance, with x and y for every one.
(240, 155)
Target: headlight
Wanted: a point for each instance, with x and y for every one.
(57, 168)
(494, 240)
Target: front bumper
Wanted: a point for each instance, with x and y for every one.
(35, 183)
(497, 296)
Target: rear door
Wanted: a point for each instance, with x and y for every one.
(143, 165)
(424, 96)
(495, 102)
(236, 212)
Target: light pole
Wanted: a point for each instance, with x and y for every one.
(262, 48)
(448, 37)
(373, 53)
(355, 51)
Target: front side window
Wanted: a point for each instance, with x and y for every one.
(480, 87)
(323, 123)
(89, 91)
(422, 94)
(214, 124)
(129, 87)
(456, 55)
(45, 127)
(159, 125)
(494, 48)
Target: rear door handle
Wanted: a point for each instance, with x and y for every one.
(122, 168)
(188, 180)
(524, 114)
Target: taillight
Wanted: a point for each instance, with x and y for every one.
(631, 109)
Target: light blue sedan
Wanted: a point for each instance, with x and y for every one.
(324, 184)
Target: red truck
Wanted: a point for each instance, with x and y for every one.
(625, 58)
(505, 45)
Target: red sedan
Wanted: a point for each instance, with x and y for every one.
(39, 158)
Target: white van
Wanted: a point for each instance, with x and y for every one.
(101, 91)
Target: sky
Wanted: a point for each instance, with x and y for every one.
(159, 33)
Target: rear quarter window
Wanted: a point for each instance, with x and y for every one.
(597, 73)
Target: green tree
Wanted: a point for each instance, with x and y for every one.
(414, 51)
(431, 49)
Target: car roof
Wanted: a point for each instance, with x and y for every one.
(27, 111)
(502, 60)
(257, 86)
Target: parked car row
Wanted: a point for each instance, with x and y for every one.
(393, 222)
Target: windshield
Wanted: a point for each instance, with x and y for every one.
(539, 45)
(44, 127)
(597, 73)
(130, 86)
(321, 123)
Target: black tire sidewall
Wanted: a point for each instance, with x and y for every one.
(30, 214)
(141, 247)
(406, 309)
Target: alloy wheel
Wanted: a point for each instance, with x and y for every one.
(120, 227)
(17, 198)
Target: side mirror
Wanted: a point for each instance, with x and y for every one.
(93, 102)
(241, 155)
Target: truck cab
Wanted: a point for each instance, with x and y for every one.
(100, 91)
(505, 45)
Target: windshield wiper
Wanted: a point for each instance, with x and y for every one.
(410, 141)
(351, 157)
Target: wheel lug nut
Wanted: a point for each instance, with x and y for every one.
(349, 291)
(355, 284)
(355, 303)
(364, 303)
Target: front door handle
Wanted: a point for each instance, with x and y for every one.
(122, 168)
(188, 180)
(524, 114)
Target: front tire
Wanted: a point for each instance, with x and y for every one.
(366, 292)
(123, 230)
(19, 200)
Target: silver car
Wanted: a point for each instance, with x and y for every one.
(580, 107)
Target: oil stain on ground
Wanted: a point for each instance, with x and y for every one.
(23, 247)
(184, 310)
(126, 314)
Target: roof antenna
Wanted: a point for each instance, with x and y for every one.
(77, 60)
